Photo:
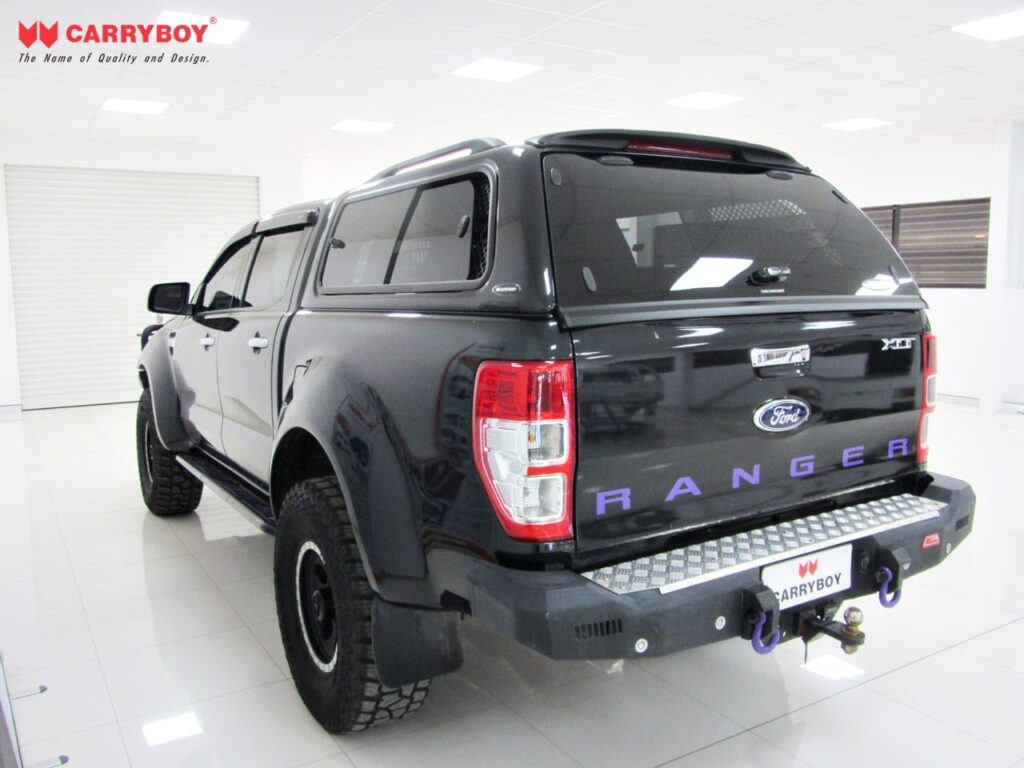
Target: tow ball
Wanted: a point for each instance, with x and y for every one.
(847, 631)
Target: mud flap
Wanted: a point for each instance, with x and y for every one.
(413, 644)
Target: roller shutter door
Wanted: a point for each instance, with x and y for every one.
(944, 244)
(86, 245)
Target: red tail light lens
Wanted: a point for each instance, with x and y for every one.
(524, 438)
(930, 365)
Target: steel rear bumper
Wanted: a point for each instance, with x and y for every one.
(698, 595)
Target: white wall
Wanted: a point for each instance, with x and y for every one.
(10, 391)
(327, 177)
(975, 165)
(280, 184)
(1003, 339)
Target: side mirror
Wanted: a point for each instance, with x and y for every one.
(169, 299)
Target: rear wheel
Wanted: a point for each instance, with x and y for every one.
(324, 607)
(167, 487)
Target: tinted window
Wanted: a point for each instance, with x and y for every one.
(272, 267)
(665, 230)
(437, 244)
(221, 289)
(368, 229)
(431, 235)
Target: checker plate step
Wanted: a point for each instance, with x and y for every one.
(697, 563)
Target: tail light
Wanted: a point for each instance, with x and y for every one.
(930, 364)
(524, 440)
(662, 148)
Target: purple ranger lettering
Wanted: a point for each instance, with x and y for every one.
(903, 445)
(801, 466)
(853, 457)
(618, 496)
(683, 486)
(739, 473)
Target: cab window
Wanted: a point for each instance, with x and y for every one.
(275, 256)
(222, 286)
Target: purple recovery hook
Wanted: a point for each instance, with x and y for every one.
(883, 591)
(756, 641)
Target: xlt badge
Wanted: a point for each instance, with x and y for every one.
(903, 342)
(781, 415)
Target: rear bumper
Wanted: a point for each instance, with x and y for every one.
(565, 615)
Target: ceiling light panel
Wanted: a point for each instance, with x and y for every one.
(993, 28)
(498, 70)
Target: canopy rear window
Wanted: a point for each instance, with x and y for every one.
(641, 229)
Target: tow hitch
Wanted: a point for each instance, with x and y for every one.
(765, 626)
(847, 632)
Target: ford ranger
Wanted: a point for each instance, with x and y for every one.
(616, 394)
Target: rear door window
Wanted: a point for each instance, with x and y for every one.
(652, 229)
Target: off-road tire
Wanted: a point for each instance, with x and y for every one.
(167, 487)
(345, 696)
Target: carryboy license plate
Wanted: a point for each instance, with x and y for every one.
(809, 577)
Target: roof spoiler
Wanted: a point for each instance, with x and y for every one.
(673, 144)
(468, 147)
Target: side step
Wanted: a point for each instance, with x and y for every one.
(235, 491)
(698, 563)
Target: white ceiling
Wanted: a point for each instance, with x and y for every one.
(303, 66)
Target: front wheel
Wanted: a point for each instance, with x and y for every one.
(167, 487)
(324, 608)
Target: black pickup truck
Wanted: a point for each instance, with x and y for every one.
(616, 394)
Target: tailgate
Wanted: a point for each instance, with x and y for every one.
(686, 424)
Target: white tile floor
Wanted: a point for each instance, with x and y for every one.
(158, 641)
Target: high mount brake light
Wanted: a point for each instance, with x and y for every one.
(930, 366)
(524, 445)
(679, 149)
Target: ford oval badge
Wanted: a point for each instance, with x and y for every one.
(781, 415)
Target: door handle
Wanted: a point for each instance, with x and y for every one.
(257, 342)
(206, 341)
